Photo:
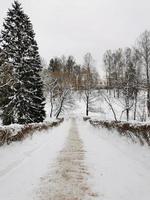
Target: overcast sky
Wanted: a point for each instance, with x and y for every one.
(74, 27)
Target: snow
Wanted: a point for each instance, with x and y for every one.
(13, 127)
(102, 110)
(119, 169)
(23, 163)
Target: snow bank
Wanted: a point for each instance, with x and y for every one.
(17, 132)
(138, 132)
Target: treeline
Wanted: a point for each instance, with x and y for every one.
(63, 77)
(68, 72)
(127, 72)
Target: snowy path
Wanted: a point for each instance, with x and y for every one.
(75, 161)
(68, 180)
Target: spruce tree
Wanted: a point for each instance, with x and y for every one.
(25, 102)
(6, 81)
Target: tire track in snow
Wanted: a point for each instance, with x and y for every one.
(68, 179)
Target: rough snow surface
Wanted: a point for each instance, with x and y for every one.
(22, 164)
(119, 168)
(75, 161)
(68, 178)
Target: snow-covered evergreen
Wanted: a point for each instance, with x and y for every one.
(26, 103)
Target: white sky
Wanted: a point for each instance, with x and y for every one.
(74, 27)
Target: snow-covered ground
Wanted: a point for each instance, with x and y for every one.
(119, 168)
(114, 167)
(23, 163)
(102, 111)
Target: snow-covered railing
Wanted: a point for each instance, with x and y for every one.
(135, 131)
(16, 132)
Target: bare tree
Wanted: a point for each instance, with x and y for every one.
(129, 85)
(136, 60)
(108, 101)
(144, 51)
(59, 84)
(50, 86)
(90, 79)
(64, 101)
(108, 64)
(114, 67)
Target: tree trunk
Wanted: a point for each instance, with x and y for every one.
(135, 107)
(51, 101)
(58, 113)
(114, 92)
(127, 112)
(51, 112)
(118, 93)
(148, 102)
(60, 108)
(148, 89)
(87, 105)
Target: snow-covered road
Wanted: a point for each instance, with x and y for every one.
(110, 167)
